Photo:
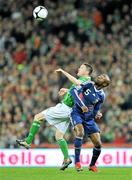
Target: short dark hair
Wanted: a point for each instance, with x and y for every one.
(89, 68)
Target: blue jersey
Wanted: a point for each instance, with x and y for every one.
(87, 95)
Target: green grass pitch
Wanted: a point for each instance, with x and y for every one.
(68, 174)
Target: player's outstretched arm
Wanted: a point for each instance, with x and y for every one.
(69, 76)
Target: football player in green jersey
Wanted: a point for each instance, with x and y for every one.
(58, 116)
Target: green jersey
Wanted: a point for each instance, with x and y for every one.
(68, 99)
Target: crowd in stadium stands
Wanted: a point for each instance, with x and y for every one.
(98, 32)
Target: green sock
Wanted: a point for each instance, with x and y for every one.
(64, 148)
(33, 130)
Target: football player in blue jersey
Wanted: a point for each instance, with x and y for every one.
(88, 98)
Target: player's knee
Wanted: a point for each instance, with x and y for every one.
(38, 118)
(79, 132)
(58, 135)
(98, 145)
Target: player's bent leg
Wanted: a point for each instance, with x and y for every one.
(79, 133)
(64, 148)
(38, 118)
(95, 138)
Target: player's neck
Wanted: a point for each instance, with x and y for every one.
(86, 76)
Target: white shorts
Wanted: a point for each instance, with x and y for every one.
(58, 116)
